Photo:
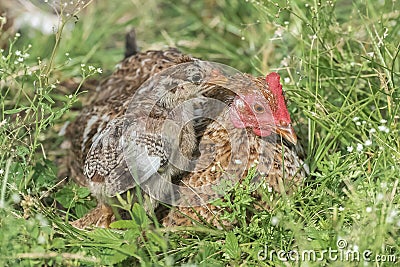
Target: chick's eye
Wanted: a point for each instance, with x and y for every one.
(258, 108)
(196, 78)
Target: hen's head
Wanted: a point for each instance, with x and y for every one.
(264, 110)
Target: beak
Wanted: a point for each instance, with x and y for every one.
(287, 132)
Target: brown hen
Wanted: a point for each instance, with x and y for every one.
(143, 124)
(137, 130)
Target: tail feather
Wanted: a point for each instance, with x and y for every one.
(131, 47)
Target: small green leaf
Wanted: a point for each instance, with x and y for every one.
(105, 236)
(65, 197)
(232, 246)
(140, 216)
(81, 209)
(22, 151)
(48, 98)
(117, 257)
(158, 240)
(132, 234)
(124, 224)
(15, 110)
(58, 243)
(113, 256)
(83, 192)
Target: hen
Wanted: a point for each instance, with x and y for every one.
(246, 135)
(141, 126)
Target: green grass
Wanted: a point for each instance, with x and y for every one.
(340, 63)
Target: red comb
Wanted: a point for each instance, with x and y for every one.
(275, 86)
(273, 80)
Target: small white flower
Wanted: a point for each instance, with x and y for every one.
(358, 123)
(18, 53)
(359, 147)
(42, 220)
(393, 213)
(16, 198)
(67, 54)
(368, 209)
(274, 220)
(356, 118)
(17, 34)
(3, 122)
(285, 61)
(91, 68)
(379, 196)
(383, 121)
(341, 208)
(286, 80)
(368, 142)
(372, 130)
(364, 122)
(99, 70)
(83, 65)
(389, 219)
(41, 239)
(350, 149)
(383, 128)
(1, 171)
(371, 54)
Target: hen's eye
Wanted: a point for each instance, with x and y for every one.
(258, 108)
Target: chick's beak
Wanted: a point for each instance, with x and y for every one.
(287, 132)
